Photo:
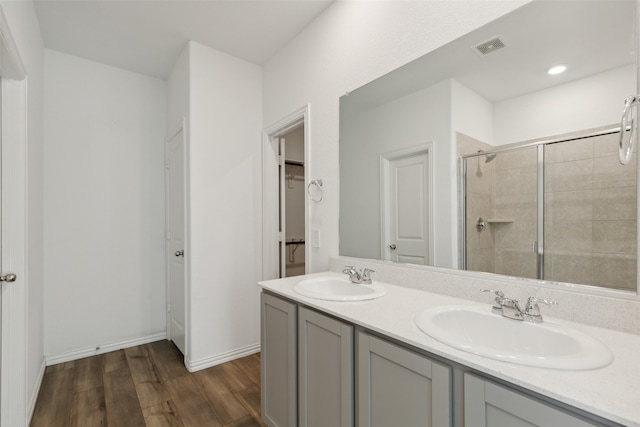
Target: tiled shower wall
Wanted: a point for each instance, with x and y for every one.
(590, 212)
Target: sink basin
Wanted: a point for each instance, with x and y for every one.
(547, 345)
(338, 289)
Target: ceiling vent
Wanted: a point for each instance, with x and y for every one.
(490, 46)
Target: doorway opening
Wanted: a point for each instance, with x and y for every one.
(285, 203)
(291, 173)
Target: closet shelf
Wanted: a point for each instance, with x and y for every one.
(293, 162)
(499, 221)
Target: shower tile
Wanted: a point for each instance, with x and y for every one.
(569, 205)
(569, 151)
(568, 176)
(609, 169)
(516, 263)
(518, 235)
(568, 236)
(516, 181)
(615, 204)
(480, 260)
(606, 145)
(480, 176)
(615, 271)
(519, 207)
(615, 237)
(516, 159)
(569, 267)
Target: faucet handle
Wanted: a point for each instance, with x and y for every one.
(498, 292)
(533, 301)
(532, 308)
(366, 275)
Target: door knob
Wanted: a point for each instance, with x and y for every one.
(392, 246)
(9, 278)
(180, 253)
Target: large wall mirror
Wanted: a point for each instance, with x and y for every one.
(476, 157)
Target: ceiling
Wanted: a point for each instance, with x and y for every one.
(147, 36)
(537, 35)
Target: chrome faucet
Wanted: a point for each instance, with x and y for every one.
(356, 277)
(509, 307)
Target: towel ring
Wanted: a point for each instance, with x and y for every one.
(315, 185)
(626, 152)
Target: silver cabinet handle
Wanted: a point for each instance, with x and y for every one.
(180, 253)
(9, 278)
(392, 246)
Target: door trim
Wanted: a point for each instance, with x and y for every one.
(270, 182)
(385, 160)
(180, 127)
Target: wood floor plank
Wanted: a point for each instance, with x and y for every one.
(54, 404)
(121, 400)
(250, 398)
(250, 366)
(60, 366)
(222, 400)
(88, 373)
(162, 415)
(149, 385)
(190, 403)
(141, 365)
(151, 393)
(113, 361)
(233, 376)
(247, 421)
(88, 408)
(168, 359)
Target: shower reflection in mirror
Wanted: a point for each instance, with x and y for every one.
(561, 209)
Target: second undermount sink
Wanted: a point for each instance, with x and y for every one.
(337, 288)
(547, 345)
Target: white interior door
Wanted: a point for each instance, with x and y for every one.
(406, 208)
(176, 239)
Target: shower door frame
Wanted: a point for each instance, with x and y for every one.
(538, 246)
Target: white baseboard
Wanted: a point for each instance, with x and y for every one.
(197, 365)
(31, 405)
(92, 351)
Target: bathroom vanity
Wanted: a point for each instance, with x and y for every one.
(366, 363)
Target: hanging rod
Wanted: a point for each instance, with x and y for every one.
(294, 162)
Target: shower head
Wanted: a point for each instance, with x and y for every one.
(488, 157)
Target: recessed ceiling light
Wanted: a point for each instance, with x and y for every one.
(556, 69)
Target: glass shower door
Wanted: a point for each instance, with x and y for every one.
(590, 213)
(502, 213)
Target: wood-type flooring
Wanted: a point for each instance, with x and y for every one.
(148, 385)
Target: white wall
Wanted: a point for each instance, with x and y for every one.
(104, 207)
(583, 104)
(224, 108)
(416, 119)
(471, 114)
(349, 45)
(24, 27)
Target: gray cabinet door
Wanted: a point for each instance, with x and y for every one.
(325, 370)
(278, 358)
(397, 387)
(489, 405)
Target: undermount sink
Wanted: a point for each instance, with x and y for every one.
(338, 289)
(546, 345)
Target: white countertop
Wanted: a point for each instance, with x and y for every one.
(612, 392)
